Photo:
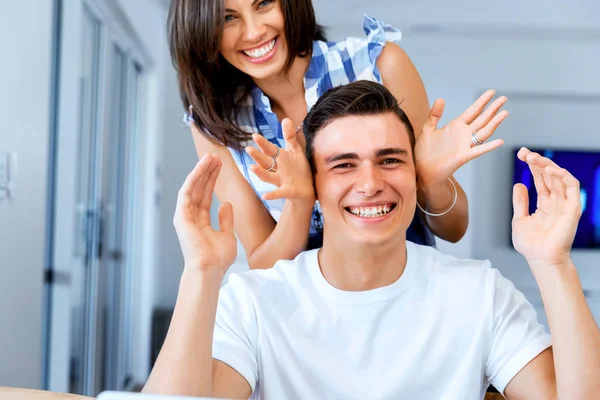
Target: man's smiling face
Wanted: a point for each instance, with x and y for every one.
(365, 178)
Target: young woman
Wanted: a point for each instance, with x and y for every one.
(245, 65)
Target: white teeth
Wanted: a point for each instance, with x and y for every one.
(371, 212)
(260, 52)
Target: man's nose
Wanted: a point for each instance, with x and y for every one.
(370, 182)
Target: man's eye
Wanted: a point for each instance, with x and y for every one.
(391, 161)
(344, 165)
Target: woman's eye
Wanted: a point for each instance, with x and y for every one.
(264, 3)
(229, 18)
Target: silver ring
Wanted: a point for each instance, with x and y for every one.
(475, 139)
(277, 154)
(273, 167)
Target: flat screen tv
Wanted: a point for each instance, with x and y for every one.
(583, 165)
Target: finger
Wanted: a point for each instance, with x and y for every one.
(520, 201)
(226, 217)
(279, 193)
(549, 181)
(199, 186)
(267, 148)
(261, 159)
(573, 191)
(289, 134)
(522, 154)
(537, 161)
(489, 113)
(276, 194)
(301, 139)
(204, 219)
(209, 187)
(184, 197)
(435, 114)
(537, 173)
(558, 187)
(477, 151)
(269, 177)
(569, 186)
(476, 108)
(488, 130)
(540, 161)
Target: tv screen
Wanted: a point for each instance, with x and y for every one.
(583, 165)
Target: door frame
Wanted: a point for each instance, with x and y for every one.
(61, 260)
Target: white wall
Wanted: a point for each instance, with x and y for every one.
(432, 13)
(24, 110)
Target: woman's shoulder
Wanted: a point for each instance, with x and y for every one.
(377, 33)
(353, 56)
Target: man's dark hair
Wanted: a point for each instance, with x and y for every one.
(357, 98)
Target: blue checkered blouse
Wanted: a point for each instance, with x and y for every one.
(332, 64)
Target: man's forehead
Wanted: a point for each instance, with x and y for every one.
(361, 134)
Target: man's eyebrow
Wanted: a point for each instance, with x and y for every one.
(341, 156)
(378, 153)
(391, 151)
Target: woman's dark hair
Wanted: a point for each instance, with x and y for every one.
(356, 98)
(215, 88)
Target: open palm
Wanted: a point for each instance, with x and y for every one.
(202, 246)
(439, 153)
(292, 174)
(546, 235)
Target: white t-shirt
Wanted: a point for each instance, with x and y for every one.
(441, 331)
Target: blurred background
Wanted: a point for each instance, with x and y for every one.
(93, 151)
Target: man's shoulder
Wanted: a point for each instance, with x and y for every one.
(461, 286)
(454, 271)
(441, 260)
(284, 275)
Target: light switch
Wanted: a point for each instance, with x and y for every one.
(7, 169)
(4, 169)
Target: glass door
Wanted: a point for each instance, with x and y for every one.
(90, 278)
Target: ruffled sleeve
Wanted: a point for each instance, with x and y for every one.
(378, 34)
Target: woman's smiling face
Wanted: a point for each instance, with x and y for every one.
(253, 38)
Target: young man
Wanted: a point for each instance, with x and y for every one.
(370, 315)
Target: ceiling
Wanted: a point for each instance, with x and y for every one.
(344, 17)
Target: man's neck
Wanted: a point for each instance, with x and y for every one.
(360, 268)
(286, 86)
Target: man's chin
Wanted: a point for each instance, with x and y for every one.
(375, 239)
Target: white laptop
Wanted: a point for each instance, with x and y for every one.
(109, 395)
